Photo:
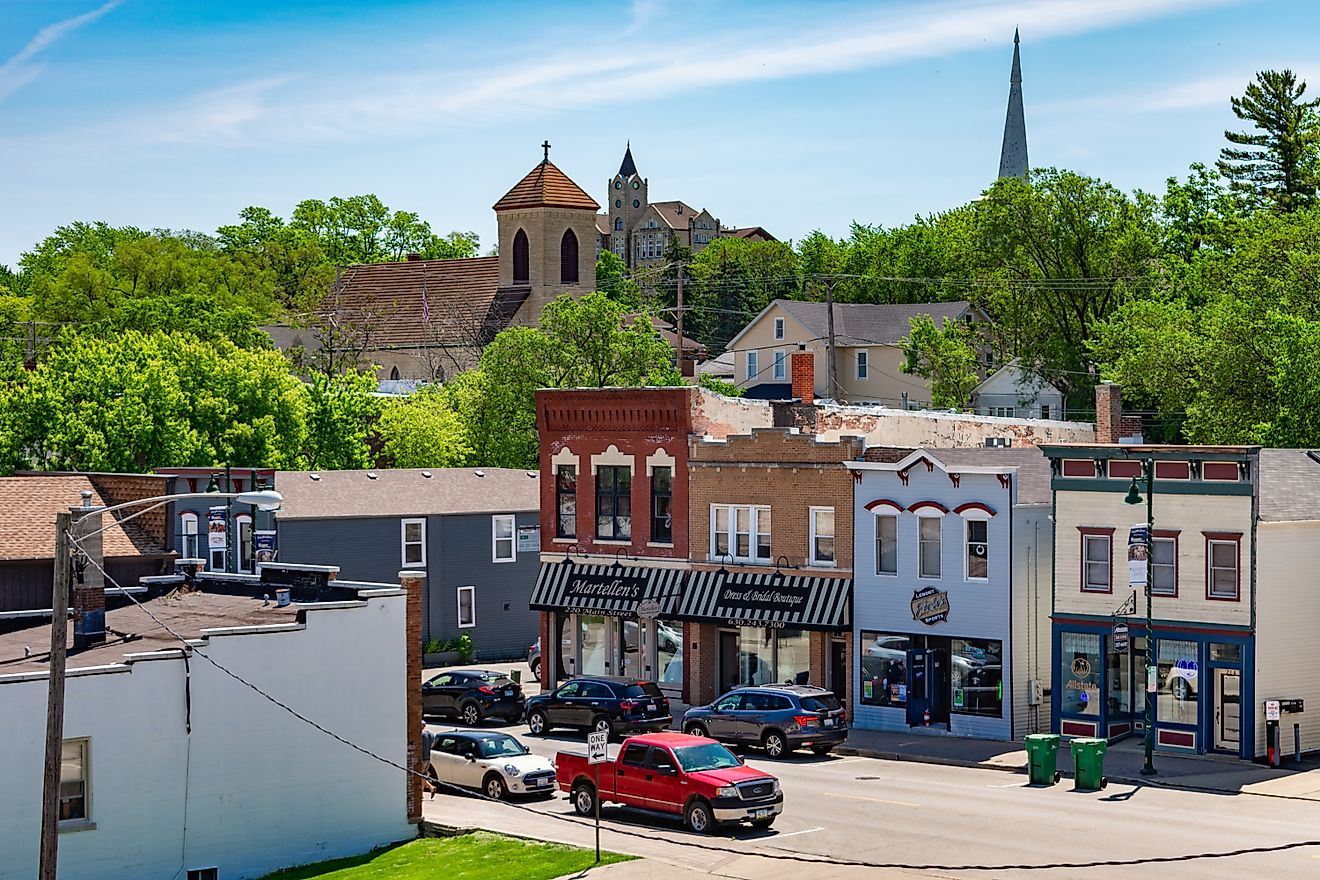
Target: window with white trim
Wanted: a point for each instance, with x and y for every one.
(467, 607)
(1221, 569)
(613, 503)
(753, 364)
(781, 365)
(977, 534)
(928, 540)
(1096, 563)
(822, 535)
(188, 536)
(1164, 565)
(1004, 412)
(740, 532)
(886, 543)
(501, 538)
(75, 781)
(1044, 410)
(779, 328)
(243, 530)
(863, 363)
(413, 540)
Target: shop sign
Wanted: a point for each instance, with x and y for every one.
(605, 586)
(599, 612)
(783, 598)
(1186, 669)
(930, 606)
(1138, 554)
(648, 609)
(1120, 637)
(215, 528)
(529, 539)
(763, 624)
(263, 546)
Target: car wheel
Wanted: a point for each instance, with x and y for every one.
(698, 817)
(764, 823)
(584, 799)
(536, 723)
(470, 714)
(536, 669)
(601, 724)
(494, 787)
(776, 744)
(695, 730)
(822, 750)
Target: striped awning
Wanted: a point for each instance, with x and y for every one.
(609, 589)
(770, 600)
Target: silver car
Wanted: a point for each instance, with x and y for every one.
(779, 718)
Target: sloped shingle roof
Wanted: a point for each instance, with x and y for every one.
(406, 492)
(27, 518)
(546, 186)
(869, 323)
(1289, 485)
(676, 214)
(1033, 468)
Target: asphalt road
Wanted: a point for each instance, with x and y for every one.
(934, 821)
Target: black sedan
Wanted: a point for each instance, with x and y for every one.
(473, 695)
(601, 703)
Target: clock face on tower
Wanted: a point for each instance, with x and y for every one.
(637, 184)
(618, 184)
(618, 203)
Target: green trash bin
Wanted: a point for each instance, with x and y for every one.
(1043, 758)
(1089, 763)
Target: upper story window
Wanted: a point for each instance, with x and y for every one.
(243, 528)
(822, 535)
(928, 550)
(662, 499)
(1164, 563)
(978, 548)
(614, 503)
(75, 781)
(466, 602)
(188, 547)
(753, 364)
(863, 363)
(618, 224)
(779, 328)
(522, 266)
(566, 501)
(568, 258)
(1222, 565)
(502, 529)
(741, 532)
(414, 542)
(1097, 560)
(781, 365)
(886, 543)
(1004, 412)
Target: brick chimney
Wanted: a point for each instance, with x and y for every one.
(804, 376)
(88, 582)
(412, 582)
(1108, 412)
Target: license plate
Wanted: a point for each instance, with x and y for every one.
(762, 814)
(829, 722)
(541, 783)
(650, 707)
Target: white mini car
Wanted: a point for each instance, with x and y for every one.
(494, 763)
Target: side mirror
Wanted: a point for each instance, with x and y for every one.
(741, 759)
(470, 757)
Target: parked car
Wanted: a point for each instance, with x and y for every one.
(473, 695)
(494, 763)
(600, 702)
(780, 718)
(677, 775)
(534, 658)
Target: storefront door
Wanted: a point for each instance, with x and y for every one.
(839, 669)
(1228, 709)
(632, 647)
(730, 671)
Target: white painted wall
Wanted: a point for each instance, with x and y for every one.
(1032, 547)
(252, 789)
(1287, 613)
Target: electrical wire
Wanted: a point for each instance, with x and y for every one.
(803, 858)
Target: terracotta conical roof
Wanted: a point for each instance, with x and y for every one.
(546, 186)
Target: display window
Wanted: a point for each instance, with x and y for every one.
(1080, 667)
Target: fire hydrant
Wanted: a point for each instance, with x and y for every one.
(925, 717)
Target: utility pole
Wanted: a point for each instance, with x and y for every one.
(59, 634)
(680, 319)
(830, 364)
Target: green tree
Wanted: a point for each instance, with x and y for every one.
(340, 411)
(945, 356)
(732, 280)
(1278, 163)
(613, 280)
(423, 430)
(361, 229)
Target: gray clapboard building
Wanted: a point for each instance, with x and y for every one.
(474, 532)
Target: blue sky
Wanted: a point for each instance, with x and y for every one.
(793, 116)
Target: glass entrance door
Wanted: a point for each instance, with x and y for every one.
(1228, 709)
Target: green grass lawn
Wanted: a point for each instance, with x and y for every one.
(469, 857)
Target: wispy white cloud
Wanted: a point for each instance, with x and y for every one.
(22, 68)
(1195, 94)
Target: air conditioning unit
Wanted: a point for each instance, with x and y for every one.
(1035, 692)
(997, 442)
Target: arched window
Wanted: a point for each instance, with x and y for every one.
(618, 224)
(243, 526)
(394, 373)
(188, 535)
(521, 263)
(568, 258)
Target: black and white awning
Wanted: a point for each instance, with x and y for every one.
(609, 589)
(771, 600)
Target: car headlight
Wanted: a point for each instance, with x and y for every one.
(776, 788)
(511, 770)
(726, 791)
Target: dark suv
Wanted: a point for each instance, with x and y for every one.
(779, 717)
(472, 695)
(601, 702)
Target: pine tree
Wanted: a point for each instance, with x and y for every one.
(1281, 165)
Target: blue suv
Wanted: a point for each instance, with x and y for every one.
(779, 718)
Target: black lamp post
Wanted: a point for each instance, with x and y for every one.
(1134, 497)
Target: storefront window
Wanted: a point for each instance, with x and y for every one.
(884, 669)
(593, 641)
(755, 656)
(669, 652)
(1079, 670)
(976, 675)
(1118, 668)
(793, 656)
(1177, 675)
(1225, 653)
(768, 656)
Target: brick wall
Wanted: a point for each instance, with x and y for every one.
(412, 581)
(1108, 413)
(804, 376)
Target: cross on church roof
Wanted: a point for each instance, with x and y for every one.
(545, 145)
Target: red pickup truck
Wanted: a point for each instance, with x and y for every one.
(675, 774)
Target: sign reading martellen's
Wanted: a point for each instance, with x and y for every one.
(605, 586)
(785, 597)
(930, 606)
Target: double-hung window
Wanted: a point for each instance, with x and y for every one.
(779, 328)
(753, 364)
(1164, 564)
(781, 365)
(414, 543)
(978, 549)
(501, 538)
(863, 363)
(928, 538)
(614, 503)
(822, 536)
(740, 532)
(188, 547)
(662, 498)
(467, 607)
(566, 501)
(1097, 560)
(1221, 565)
(886, 543)
(243, 526)
(75, 779)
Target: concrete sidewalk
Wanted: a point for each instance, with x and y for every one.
(1123, 763)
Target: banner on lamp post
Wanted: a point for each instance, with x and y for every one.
(215, 528)
(1138, 554)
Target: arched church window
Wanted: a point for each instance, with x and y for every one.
(521, 261)
(568, 258)
(618, 224)
(394, 373)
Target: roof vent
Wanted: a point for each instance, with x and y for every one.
(532, 474)
(426, 474)
(372, 475)
(480, 473)
(314, 477)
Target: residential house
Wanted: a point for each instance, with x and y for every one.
(867, 350)
(472, 533)
(951, 590)
(1013, 391)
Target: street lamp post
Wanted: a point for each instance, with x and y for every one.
(1134, 497)
(61, 585)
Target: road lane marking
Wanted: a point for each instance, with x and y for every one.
(845, 761)
(859, 797)
(1008, 785)
(806, 831)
